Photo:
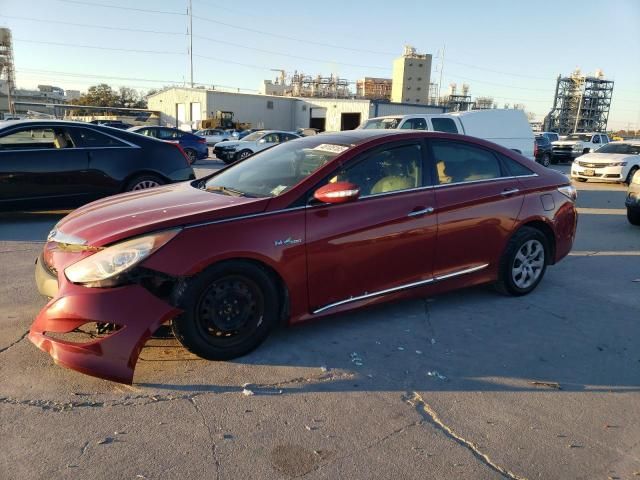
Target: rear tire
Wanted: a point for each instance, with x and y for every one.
(554, 160)
(143, 182)
(191, 155)
(523, 263)
(580, 179)
(228, 310)
(633, 216)
(546, 160)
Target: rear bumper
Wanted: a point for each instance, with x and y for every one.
(135, 312)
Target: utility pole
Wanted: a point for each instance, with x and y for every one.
(191, 39)
(441, 70)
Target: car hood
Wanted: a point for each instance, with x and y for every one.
(121, 216)
(603, 157)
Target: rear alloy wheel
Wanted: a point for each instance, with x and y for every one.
(192, 155)
(633, 216)
(524, 262)
(629, 178)
(143, 182)
(241, 155)
(546, 160)
(228, 311)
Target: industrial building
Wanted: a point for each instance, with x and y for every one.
(411, 77)
(374, 88)
(186, 107)
(581, 104)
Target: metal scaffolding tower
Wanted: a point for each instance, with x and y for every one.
(7, 70)
(581, 104)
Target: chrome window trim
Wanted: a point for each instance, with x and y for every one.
(511, 177)
(407, 286)
(243, 217)
(18, 128)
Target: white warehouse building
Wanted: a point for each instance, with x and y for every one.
(186, 107)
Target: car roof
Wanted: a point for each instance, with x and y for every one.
(11, 123)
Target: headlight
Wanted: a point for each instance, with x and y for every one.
(117, 258)
(618, 164)
(577, 146)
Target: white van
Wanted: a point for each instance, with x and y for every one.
(507, 127)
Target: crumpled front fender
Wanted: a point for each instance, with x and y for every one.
(137, 312)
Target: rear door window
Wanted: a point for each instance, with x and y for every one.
(169, 134)
(28, 138)
(415, 124)
(458, 163)
(88, 138)
(446, 125)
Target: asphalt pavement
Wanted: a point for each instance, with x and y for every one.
(469, 385)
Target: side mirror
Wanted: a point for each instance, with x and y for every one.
(262, 140)
(339, 192)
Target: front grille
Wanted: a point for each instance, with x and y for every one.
(563, 148)
(593, 165)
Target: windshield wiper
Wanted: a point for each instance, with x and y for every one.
(226, 191)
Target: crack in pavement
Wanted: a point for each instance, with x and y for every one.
(24, 335)
(431, 416)
(371, 445)
(213, 444)
(129, 401)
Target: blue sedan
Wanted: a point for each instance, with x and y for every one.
(194, 146)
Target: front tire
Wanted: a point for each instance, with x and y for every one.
(629, 178)
(633, 216)
(546, 160)
(229, 309)
(242, 154)
(523, 263)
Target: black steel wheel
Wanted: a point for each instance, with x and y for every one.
(228, 310)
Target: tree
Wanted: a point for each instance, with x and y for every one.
(104, 96)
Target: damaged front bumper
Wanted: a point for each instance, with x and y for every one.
(133, 310)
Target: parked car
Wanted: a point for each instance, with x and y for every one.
(633, 200)
(615, 161)
(56, 164)
(551, 136)
(576, 144)
(194, 146)
(542, 150)
(214, 135)
(507, 127)
(312, 227)
(235, 150)
(112, 123)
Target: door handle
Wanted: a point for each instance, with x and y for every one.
(424, 211)
(506, 193)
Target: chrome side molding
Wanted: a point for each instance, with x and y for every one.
(437, 278)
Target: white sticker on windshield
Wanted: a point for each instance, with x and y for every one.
(278, 190)
(327, 147)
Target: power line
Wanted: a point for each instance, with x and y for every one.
(118, 7)
(76, 45)
(88, 25)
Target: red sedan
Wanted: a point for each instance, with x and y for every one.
(313, 227)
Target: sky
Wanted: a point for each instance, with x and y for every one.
(510, 50)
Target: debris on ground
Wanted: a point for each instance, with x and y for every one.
(433, 341)
(546, 384)
(401, 348)
(105, 441)
(247, 393)
(356, 359)
(324, 369)
(419, 352)
(435, 373)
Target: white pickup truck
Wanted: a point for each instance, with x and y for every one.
(576, 144)
(507, 127)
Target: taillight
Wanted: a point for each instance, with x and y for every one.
(535, 149)
(201, 140)
(179, 147)
(569, 191)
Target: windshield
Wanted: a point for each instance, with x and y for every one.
(382, 123)
(252, 137)
(577, 136)
(274, 171)
(623, 148)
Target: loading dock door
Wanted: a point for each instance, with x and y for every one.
(349, 121)
(180, 114)
(318, 118)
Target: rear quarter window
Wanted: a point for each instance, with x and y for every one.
(515, 169)
(446, 125)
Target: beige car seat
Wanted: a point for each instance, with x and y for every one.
(60, 140)
(395, 178)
